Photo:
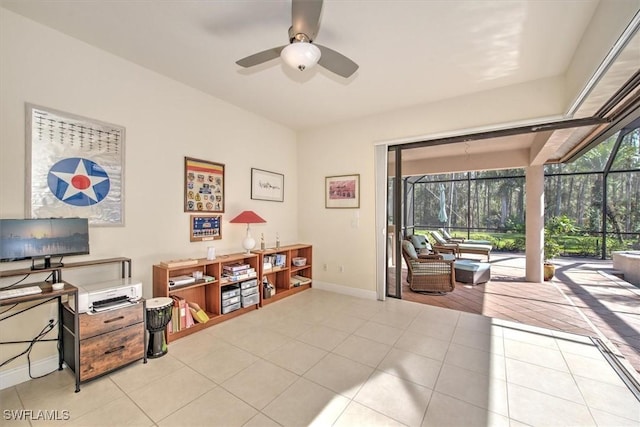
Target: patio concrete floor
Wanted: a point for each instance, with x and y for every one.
(585, 298)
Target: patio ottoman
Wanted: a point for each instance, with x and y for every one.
(472, 272)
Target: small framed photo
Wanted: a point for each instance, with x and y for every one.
(342, 192)
(203, 186)
(267, 185)
(205, 227)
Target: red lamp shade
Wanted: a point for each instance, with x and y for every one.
(247, 217)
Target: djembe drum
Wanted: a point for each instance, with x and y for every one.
(158, 317)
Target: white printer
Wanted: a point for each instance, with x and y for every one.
(108, 295)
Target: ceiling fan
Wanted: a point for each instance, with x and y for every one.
(301, 53)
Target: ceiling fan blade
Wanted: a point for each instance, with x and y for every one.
(260, 57)
(305, 17)
(336, 62)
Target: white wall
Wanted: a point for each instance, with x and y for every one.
(348, 148)
(165, 121)
(346, 237)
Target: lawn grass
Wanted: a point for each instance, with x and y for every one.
(571, 245)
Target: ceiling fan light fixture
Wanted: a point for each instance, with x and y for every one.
(300, 55)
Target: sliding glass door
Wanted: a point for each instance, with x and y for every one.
(394, 224)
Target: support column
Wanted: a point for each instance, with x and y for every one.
(534, 187)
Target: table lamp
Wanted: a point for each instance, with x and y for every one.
(248, 217)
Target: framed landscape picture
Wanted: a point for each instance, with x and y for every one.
(267, 185)
(342, 192)
(203, 186)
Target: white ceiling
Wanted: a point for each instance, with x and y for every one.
(409, 52)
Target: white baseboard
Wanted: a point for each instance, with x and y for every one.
(346, 290)
(20, 374)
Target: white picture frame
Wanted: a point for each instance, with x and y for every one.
(267, 185)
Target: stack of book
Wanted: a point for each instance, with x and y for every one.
(274, 261)
(235, 272)
(185, 314)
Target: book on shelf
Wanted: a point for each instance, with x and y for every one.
(269, 259)
(178, 314)
(240, 272)
(235, 267)
(190, 322)
(280, 260)
(244, 276)
(299, 280)
(175, 317)
(198, 314)
(178, 281)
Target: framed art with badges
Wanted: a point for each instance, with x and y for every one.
(203, 186)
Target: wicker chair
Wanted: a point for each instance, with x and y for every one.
(424, 248)
(428, 273)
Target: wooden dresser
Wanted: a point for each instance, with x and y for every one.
(108, 340)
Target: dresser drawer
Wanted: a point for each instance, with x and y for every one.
(110, 351)
(107, 321)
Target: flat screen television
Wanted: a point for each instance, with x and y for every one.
(43, 239)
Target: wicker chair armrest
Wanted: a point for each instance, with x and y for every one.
(428, 256)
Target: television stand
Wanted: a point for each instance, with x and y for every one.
(46, 264)
(48, 293)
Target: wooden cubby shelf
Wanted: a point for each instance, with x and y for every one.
(207, 295)
(216, 297)
(281, 276)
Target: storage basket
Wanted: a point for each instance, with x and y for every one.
(299, 261)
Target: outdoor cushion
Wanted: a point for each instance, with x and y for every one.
(409, 249)
(439, 239)
(463, 247)
(472, 272)
(448, 237)
(473, 246)
(465, 264)
(420, 242)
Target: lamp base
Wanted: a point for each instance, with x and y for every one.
(249, 243)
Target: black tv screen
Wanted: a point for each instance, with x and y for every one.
(43, 238)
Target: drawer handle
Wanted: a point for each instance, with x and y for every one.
(114, 320)
(113, 350)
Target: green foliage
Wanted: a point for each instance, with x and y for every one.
(561, 225)
(556, 226)
(515, 225)
(551, 246)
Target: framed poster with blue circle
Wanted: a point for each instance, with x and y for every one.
(75, 167)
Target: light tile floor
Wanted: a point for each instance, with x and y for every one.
(584, 298)
(321, 358)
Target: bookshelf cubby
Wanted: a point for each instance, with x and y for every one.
(281, 276)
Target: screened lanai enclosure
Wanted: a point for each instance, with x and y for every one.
(592, 205)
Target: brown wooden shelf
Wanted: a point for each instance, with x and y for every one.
(208, 295)
(197, 284)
